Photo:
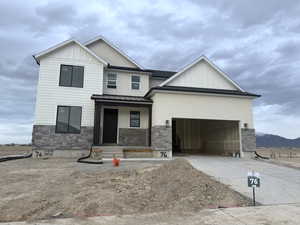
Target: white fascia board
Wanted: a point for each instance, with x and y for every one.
(114, 47)
(64, 43)
(194, 63)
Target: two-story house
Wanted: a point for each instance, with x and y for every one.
(94, 94)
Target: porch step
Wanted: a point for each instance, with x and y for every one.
(110, 151)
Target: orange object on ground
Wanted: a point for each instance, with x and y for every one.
(116, 162)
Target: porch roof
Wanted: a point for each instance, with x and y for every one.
(122, 99)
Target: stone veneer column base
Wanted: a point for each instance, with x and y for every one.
(133, 136)
(248, 140)
(161, 139)
(46, 141)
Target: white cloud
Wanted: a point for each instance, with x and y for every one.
(19, 133)
(271, 119)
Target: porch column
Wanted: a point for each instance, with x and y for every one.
(97, 119)
(149, 124)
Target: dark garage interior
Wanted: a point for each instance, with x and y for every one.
(210, 137)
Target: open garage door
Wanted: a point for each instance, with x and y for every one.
(196, 136)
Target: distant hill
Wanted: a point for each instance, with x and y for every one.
(270, 140)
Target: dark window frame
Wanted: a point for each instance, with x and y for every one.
(139, 119)
(71, 85)
(108, 80)
(68, 132)
(135, 82)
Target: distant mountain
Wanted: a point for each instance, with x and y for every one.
(270, 140)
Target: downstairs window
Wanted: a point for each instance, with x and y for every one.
(68, 119)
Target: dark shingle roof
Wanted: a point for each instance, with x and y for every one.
(120, 98)
(154, 73)
(202, 90)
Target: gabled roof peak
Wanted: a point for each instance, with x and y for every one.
(100, 37)
(202, 58)
(62, 44)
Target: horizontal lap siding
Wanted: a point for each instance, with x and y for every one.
(50, 94)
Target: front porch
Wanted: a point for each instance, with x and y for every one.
(122, 122)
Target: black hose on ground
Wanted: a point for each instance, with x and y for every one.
(83, 159)
(15, 157)
(259, 156)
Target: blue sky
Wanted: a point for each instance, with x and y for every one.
(256, 42)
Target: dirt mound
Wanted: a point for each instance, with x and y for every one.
(174, 186)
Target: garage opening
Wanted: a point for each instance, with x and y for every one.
(213, 137)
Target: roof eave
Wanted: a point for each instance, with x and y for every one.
(159, 89)
(36, 60)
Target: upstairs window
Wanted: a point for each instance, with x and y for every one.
(134, 119)
(68, 119)
(111, 80)
(135, 82)
(71, 76)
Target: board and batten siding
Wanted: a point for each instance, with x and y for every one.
(202, 75)
(110, 55)
(124, 84)
(50, 94)
(192, 106)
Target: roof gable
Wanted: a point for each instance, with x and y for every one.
(202, 74)
(112, 54)
(63, 44)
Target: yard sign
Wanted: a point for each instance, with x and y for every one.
(253, 181)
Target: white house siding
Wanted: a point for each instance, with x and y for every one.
(192, 106)
(110, 55)
(124, 84)
(50, 94)
(202, 75)
(124, 117)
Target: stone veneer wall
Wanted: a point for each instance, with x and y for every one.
(248, 140)
(133, 136)
(162, 138)
(45, 138)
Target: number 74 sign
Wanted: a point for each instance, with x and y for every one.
(253, 179)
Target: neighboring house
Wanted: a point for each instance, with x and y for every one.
(94, 94)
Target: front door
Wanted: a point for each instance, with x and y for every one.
(110, 126)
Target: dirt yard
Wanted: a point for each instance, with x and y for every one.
(283, 156)
(14, 150)
(40, 189)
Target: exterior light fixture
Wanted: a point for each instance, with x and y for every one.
(167, 123)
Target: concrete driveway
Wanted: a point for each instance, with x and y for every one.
(279, 185)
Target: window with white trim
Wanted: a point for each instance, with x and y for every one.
(135, 82)
(111, 80)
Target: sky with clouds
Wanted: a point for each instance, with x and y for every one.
(256, 42)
